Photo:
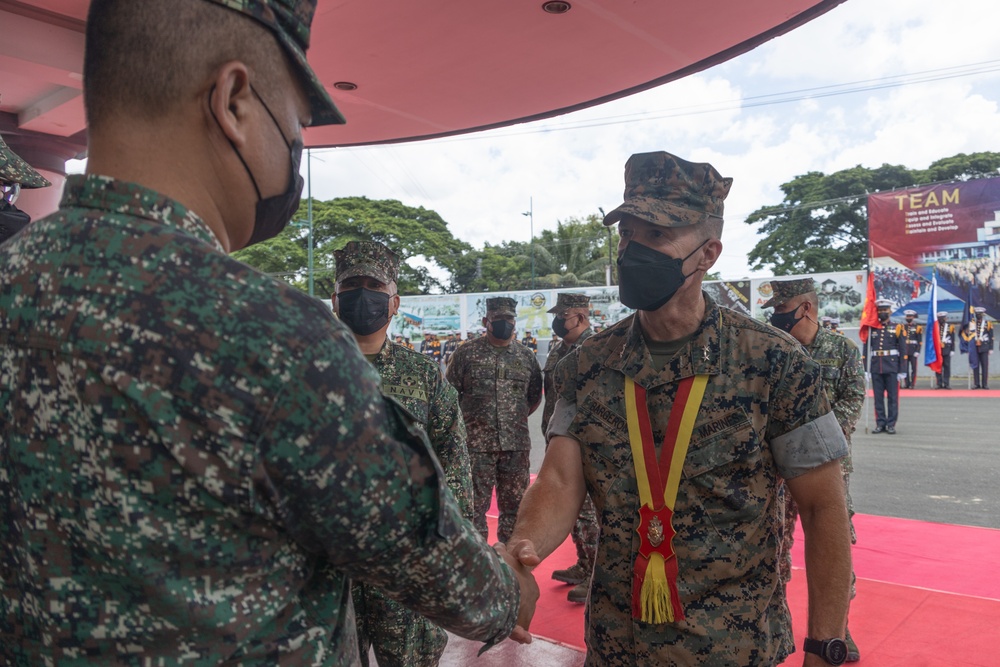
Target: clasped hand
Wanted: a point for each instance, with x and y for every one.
(522, 560)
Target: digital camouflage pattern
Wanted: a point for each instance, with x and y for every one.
(844, 384)
(567, 300)
(762, 389)
(498, 387)
(14, 170)
(669, 191)
(402, 637)
(501, 305)
(783, 290)
(366, 258)
(290, 21)
(585, 530)
(197, 458)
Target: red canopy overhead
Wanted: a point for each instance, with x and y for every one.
(427, 68)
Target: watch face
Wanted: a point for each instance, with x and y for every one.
(836, 651)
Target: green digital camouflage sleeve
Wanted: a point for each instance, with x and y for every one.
(534, 384)
(850, 398)
(446, 431)
(802, 430)
(377, 507)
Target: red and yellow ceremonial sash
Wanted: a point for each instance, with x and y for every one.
(654, 581)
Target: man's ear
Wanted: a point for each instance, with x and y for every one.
(713, 250)
(231, 102)
(394, 305)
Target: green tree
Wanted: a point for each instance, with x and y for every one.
(822, 224)
(410, 231)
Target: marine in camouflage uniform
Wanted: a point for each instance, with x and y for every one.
(399, 636)
(197, 458)
(764, 418)
(498, 387)
(585, 531)
(844, 384)
(15, 175)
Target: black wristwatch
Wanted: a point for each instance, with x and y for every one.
(834, 651)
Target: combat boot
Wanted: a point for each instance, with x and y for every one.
(853, 655)
(579, 593)
(573, 575)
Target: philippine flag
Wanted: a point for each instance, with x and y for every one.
(932, 332)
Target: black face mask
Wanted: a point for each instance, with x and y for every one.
(274, 213)
(785, 321)
(559, 327)
(364, 311)
(883, 317)
(12, 220)
(501, 329)
(648, 278)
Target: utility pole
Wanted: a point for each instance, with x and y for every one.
(531, 216)
(607, 274)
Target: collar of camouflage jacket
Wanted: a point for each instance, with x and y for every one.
(700, 356)
(133, 200)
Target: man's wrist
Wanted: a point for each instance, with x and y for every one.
(833, 651)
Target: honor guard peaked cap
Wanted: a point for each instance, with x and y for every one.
(15, 171)
(366, 258)
(783, 290)
(669, 191)
(942, 313)
(501, 305)
(567, 300)
(290, 21)
(883, 303)
(910, 312)
(980, 309)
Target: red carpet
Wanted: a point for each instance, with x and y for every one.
(928, 594)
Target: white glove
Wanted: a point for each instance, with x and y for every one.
(952, 353)
(900, 376)
(868, 376)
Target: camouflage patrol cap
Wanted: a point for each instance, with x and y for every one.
(567, 300)
(668, 191)
(783, 290)
(501, 305)
(15, 170)
(366, 258)
(290, 21)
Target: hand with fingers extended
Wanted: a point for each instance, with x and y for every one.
(529, 590)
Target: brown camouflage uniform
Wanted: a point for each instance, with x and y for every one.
(763, 389)
(197, 458)
(498, 387)
(401, 637)
(844, 384)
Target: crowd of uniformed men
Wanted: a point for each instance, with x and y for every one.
(201, 465)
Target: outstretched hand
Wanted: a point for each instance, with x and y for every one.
(522, 564)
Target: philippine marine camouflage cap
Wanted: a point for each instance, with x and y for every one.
(14, 170)
(567, 300)
(783, 290)
(668, 191)
(290, 21)
(501, 305)
(366, 258)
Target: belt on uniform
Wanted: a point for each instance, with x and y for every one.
(885, 353)
(912, 342)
